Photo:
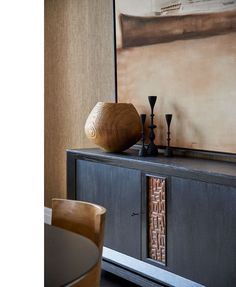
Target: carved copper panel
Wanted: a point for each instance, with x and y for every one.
(157, 219)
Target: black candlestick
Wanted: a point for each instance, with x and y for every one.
(152, 148)
(143, 151)
(168, 151)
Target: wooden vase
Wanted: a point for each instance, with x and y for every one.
(113, 126)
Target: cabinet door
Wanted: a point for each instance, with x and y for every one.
(202, 232)
(119, 191)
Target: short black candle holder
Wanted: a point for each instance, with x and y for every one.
(168, 150)
(152, 148)
(143, 151)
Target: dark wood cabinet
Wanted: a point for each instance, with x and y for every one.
(119, 190)
(202, 229)
(170, 221)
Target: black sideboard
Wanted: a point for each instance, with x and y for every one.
(170, 221)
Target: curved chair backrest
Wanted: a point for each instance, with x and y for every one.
(84, 218)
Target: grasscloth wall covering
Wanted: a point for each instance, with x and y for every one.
(79, 72)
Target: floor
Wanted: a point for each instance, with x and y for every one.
(110, 280)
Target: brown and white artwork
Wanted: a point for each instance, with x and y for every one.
(183, 52)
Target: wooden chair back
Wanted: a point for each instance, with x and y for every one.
(86, 219)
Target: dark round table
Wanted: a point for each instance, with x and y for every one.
(67, 256)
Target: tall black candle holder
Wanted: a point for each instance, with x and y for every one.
(152, 148)
(168, 150)
(143, 151)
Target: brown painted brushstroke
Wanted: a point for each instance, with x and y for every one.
(140, 31)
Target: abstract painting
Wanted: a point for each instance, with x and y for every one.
(183, 52)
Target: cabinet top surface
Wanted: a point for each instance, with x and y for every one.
(130, 158)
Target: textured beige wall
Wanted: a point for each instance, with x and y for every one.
(79, 71)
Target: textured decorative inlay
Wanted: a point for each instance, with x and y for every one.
(157, 218)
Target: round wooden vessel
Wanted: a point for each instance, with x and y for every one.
(113, 126)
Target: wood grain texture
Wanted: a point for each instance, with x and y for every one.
(79, 72)
(109, 186)
(201, 231)
(113, 126)
(87, 220)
